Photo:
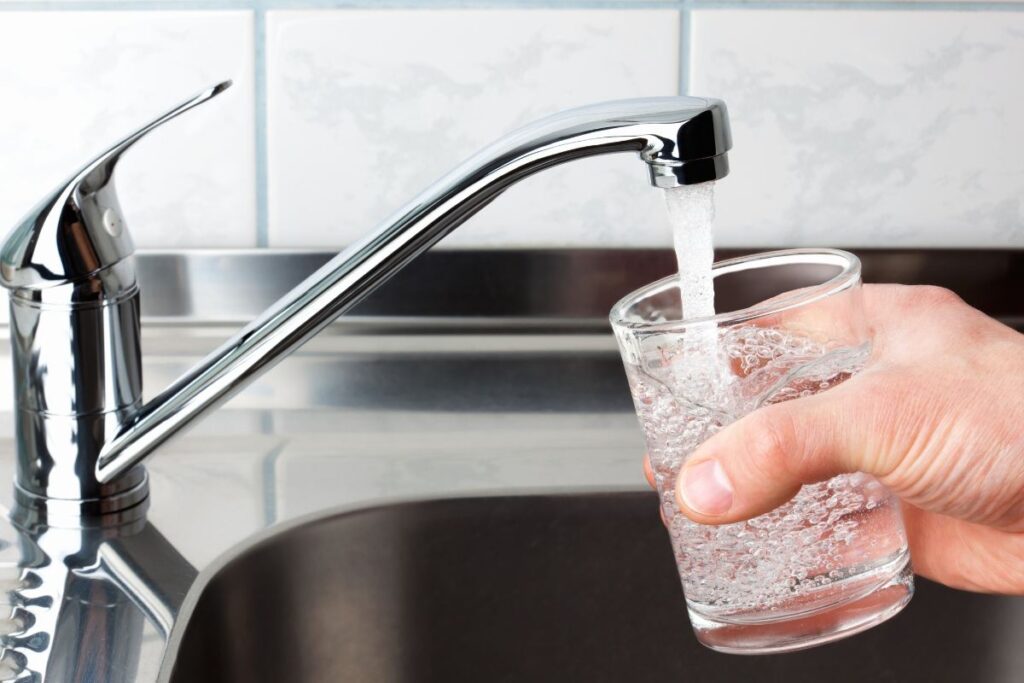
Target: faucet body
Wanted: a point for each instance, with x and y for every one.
(82, 428)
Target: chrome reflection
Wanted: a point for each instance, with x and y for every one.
(80, 596)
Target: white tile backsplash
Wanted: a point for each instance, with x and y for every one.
(72, 83)
(367, 108)
(867, 128)
(882, 125)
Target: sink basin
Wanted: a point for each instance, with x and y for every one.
(574, 587)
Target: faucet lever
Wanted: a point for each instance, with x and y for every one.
(78, 228)
(75, 337)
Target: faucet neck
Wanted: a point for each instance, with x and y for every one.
(684, 140)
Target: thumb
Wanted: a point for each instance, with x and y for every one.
(761, 461)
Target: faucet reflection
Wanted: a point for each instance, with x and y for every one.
(82, 596)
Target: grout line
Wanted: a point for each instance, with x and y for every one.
(684, 50)
(167, 5)
(260, 119)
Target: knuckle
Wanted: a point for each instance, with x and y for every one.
(939, 309)
(936, 296)
(771, 439)
(885, 409)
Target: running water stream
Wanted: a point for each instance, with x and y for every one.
(691, 212)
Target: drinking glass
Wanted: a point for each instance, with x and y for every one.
(831, 562)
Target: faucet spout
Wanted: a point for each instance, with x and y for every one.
(683, 140)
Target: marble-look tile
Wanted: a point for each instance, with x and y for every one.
(867, 128)
(366, 108)
(72, 83)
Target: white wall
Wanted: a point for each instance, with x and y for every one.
(855, 124)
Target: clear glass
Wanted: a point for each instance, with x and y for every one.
(834, 560)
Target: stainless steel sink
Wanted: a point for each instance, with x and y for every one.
(573, 587)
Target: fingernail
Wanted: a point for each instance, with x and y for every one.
(706, 489)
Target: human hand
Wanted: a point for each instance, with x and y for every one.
(937, 416)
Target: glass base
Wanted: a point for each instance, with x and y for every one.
(805, 629)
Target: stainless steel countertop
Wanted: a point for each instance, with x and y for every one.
(497, 380)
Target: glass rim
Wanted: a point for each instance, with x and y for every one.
(844, 279)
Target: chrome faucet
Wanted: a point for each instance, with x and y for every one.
(82, 429)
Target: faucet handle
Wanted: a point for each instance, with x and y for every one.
(78, 230)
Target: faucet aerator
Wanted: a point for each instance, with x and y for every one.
(670, 174)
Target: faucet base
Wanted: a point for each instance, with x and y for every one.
(62, 511)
